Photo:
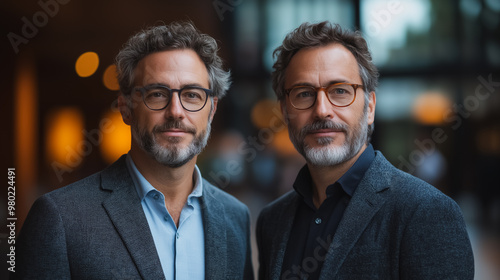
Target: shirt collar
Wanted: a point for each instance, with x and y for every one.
(349, 181)
(143, 187)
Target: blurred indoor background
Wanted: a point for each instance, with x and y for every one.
(437, 116)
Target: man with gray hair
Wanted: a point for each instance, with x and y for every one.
(351, 215)
(150, 215)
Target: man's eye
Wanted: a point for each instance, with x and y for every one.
(156, 95)
(304, 94)
(193, 95)
(340, 91)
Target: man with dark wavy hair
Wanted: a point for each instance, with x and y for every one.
(351, 215)
(150, 215)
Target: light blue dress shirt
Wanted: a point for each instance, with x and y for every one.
(181, 250)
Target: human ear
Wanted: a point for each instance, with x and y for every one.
(283, 110)
(213, 109)
(372, 101)
(124, 107)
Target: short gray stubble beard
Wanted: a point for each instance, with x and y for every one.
(330, 156)
(171, 156)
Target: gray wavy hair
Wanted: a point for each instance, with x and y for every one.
(176, 35)
(309, 35)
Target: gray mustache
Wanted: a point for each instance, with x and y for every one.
(173, 124)
(316, 125)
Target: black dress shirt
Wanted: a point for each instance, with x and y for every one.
(313, 228)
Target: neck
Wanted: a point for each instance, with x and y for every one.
(175, 183)
(323, 176)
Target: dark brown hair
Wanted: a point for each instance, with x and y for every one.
(309, 35)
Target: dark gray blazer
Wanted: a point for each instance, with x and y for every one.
(395, 227)
(96, 229)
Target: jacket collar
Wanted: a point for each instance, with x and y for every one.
(215, 233)
(283, 226)
(125, 211)
(123, 207)
(367, 200)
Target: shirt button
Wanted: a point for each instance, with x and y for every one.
(177, 235)
(318, 221)
(156, 196)
(165, 217)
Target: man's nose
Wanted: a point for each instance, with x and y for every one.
(323, 107)
(174, 108)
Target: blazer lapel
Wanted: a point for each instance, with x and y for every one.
(215, 234)
(282, 226)
(366, 201)
(125, 211)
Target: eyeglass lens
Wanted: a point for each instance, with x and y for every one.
(303, 97)
(192, 99)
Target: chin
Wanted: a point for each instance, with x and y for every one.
(173, 139)
(321, 142)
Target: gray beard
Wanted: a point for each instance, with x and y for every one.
(331, 156)
(171, 156)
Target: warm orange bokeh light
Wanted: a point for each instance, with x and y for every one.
(65, 136)
(263, 112)
(282, 143)
(87, 64)
(116, 138)
(429, 108)
(26, 111)
(109, 78)
(25, 133)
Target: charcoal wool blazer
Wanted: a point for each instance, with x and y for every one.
(96, 229)
(395, 227)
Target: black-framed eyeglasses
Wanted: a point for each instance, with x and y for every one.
(339, 94)
(157, 97)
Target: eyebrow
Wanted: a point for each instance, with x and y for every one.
(182, 86)
(311, 85)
